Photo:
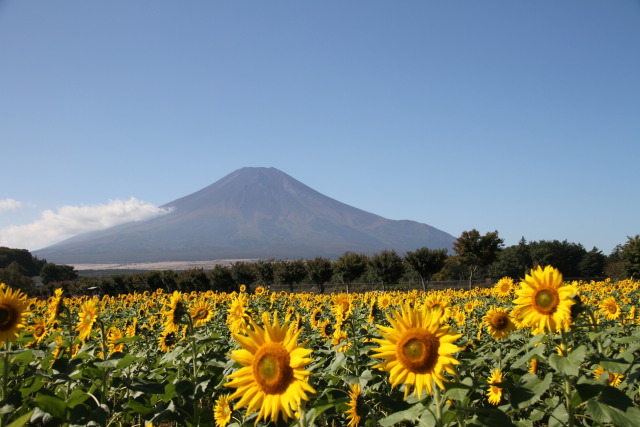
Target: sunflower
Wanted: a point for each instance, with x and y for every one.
(238, 314)
(87, 317)
(544, 300)
(614, 379)
(259, 290)
(495, 392)
(326, 328)
(201, 312)
(416, 349)
(339, 339)
(174, 312)
(56, 306)
(272, 378)
(498, 323)
(504, 287)
(39, 329)
(222, 411)
(533, 366)
(610, 308)
(354, 403)
(113, 336)
(13, 310)
(167, 340)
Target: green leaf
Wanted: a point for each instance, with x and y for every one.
(76, 397)
(559, 416)
(52, 405)
(536, 351)
(458, 390)
(569, 365)
(529, 389)
(411, 415)
(22, 420)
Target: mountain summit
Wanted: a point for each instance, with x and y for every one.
(250, 213)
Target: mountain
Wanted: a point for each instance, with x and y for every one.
(250, 213)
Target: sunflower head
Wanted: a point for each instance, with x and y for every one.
(13, 311)
(272, 379)
(222, 410)
(416, 349)
(498, 323)
(495, 391)
(87, 317)
(544, 300)
(355, 405)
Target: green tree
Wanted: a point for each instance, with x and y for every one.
(630, 257)
(349, 267)
(513, 261)
(477, 251)
(592, 263)
(16, 276)
(264, 272)
(243, 273)
(425, 263)
(565, 256)
(222, 279)
(290, 272)
(319, 271)
(57, 273)
(386, 267)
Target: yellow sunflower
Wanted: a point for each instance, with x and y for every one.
(339, 338)
(201, 312)
(167, 340)
(87, 317)
(222, 411)
(353, 417)
(544, 300)
(13, 311)
(498, 323)
(56, 306)
(533, 366)
(495, 392)
(610, 308)
(113, 336)
(39, 329)
(272, 378)
(504, 287)
(416, 349)
(174, 312)
(614, 379)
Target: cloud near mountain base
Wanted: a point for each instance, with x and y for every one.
(69, 221)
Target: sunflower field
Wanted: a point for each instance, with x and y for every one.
(537, 352)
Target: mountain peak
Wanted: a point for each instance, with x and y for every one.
(253, 212)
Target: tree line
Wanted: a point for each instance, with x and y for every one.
(474, 255)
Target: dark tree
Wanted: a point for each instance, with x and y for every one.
(386, 267)
(264, 272)
(57, 273)
(565, 256)
(425, 263)
(243, 273)
(349, 267)
(319, 271)
(592, 264)
(194, 279)
(477, 251)
(222, 279)
(290, 272)
(630, 257)
(513, 261)
(15, 275)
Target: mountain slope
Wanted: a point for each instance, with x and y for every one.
(250, 213)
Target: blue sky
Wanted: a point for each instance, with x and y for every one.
(521, 117)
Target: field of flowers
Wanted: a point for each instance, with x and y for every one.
(537, 352)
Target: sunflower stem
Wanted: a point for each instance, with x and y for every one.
(567, 381)
(5, 368)
(437, 399)
(194, 365)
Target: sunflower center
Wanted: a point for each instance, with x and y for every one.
(545, 301)
(499, 322)
(417, 350)
(39, 331)
(612, 308)
(8, 317)
(271, 368)
(201, 314)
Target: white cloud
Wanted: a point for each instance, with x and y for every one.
(9, 205)
(68, 221)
